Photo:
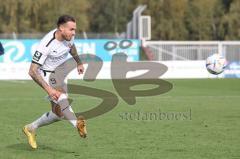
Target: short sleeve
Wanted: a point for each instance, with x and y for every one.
(41, 53)
(39, 58)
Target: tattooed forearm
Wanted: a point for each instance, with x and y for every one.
(33, 72)
(75, 55)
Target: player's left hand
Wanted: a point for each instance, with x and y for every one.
(80, 69)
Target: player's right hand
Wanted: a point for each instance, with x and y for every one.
(54, 94)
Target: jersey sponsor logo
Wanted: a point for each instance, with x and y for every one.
(58, 58)
(37, 56)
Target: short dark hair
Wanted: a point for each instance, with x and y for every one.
(64, 19)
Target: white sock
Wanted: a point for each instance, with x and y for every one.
(45, 119)
(67, 110)
(72, 121)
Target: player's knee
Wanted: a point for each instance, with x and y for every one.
(57, 110)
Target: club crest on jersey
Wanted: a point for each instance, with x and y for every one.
(37, 55)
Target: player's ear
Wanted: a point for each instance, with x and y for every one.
(61, 27)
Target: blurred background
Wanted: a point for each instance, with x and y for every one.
(179, 33)
(170, 19)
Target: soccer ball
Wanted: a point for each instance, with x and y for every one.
(216, 64)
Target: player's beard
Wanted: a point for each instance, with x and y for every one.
(67, 38)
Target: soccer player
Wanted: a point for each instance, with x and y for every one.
(50, 54)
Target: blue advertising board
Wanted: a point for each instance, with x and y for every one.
(22, 50)
(232, 70)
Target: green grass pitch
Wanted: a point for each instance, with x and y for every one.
(202, 120)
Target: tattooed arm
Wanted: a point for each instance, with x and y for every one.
(75, 55)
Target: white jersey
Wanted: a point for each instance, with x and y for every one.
(51, 53)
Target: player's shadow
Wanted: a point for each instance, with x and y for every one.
(25, 147)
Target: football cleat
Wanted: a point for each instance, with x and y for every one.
(31, 137)
(81, 126)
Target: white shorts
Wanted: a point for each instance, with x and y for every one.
(56, 79)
